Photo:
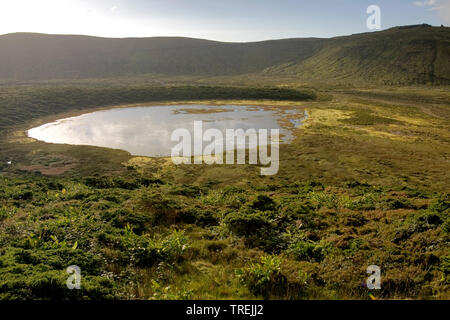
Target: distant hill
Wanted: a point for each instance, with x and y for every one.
(402, 55)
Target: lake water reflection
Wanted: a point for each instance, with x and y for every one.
(146, 131)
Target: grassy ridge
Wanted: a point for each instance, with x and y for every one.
(416, 55)
(411, 55)
(25, 56)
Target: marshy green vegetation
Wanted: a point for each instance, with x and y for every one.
(364, 182)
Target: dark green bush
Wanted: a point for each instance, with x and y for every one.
(161, 208)
(22, 195)
(263, 203)
(145, 251)
(98, 182)
(121, 217)
(258, 228)
(296, 210)
(354, 219)
(247, 223)
(398, 203)
(58, 258)
(308, 250)
(112, 182)
(446, 226)
(203, 217)
(424, 220)
(51, 285)
(441, 204)
(41, 274)
(445, 268)
(356, 184)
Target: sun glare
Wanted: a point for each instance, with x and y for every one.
(64, 17)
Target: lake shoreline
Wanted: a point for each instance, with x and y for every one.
(289, 116)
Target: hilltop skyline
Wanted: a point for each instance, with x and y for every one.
(232, 21)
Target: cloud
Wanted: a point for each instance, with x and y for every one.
(444, 11)
(442, 7)
(113, 9)
(425, 3)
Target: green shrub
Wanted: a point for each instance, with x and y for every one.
(263, 203)
(257, 227)
(303, 189)
(446, 226)
(122, 183)
(441, 204)
(57, 258)
(354, 245)
(161, 208)
(121, 217)
(22, 195)
(213, 198)
(445, 268)
(112, 182)
(398, 203)
(203, 217)
(246, 224)
(403, 233)
(49, 184)
(323, 199)
(264, 278)
(354, 219)
(423, 220)
(98, 182)
(293, 211)
(145, 251)
(228, 190)
(37, 284)
(308, 250)
(173, 246)
(356, 184)
(365, 202)
(41, 274)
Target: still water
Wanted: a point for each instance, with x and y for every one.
(146, 131)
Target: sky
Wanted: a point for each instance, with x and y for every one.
(225, 20)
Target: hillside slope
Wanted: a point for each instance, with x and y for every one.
(36, 56)
(403, 55)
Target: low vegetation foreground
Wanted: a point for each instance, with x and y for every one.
(364, 182)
